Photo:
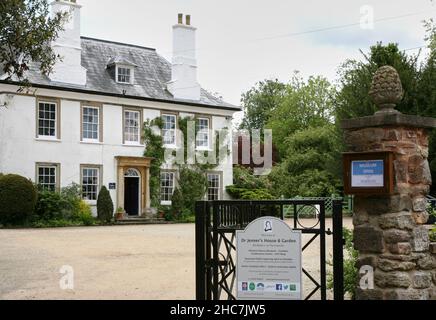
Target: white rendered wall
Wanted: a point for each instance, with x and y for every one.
(20, 150)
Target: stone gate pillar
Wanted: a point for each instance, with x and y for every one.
(390, 232)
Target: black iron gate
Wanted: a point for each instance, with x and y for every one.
(216, 226)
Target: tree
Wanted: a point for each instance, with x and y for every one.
(308, 168)
(105, 206)
(192, 186)
(355, 81)
(26, 33)
(305, 104)
(259, 103)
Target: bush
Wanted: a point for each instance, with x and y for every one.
(432, 234)
(17, 198)
(50, 205)
(249, 194)
(244, 178)
(85, 214)
(105, 206)
(192, 186)
(351, 274)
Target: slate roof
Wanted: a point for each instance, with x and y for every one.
(152, 74)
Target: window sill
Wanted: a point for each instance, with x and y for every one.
(92, 203)
(166, 203)
(47, 139)
(92, 142)
(171, 146)
(133, 145)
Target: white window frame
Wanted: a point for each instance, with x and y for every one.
(131, 75)
(56, 175)
(173, 187)
(98, 124)
(45, 137)
(170, 145)
(98, 176)
(131, 142)
(218, 188)
(202, 131)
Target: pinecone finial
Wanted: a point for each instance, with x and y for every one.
(386, 89)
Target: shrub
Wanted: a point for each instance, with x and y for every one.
(50, 205)
(192, 187)
(244, 178)
(85, 214)
(350, 270)
(105, 206)
(432, 234)
(249, 194)
(17, 198)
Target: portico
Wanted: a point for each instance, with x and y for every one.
(133, 192)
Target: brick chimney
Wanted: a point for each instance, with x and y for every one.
(68, 45)
(184, 84)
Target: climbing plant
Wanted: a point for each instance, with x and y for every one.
(192, 183)
(154, 149)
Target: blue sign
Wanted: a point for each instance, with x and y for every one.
(367, 173)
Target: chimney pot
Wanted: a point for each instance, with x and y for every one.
(180, 21)
(188, 20)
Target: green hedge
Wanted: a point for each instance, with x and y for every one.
(17, 198)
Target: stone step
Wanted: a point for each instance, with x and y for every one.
(132, 221)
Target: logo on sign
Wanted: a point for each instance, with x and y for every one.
(244, 286)
(268, 226)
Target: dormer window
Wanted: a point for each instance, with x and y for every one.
(124, 75)
(121, 70)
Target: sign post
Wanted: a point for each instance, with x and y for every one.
(269, 261)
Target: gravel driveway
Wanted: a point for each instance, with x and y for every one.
(122, 262)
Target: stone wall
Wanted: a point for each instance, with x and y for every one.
(390, 234)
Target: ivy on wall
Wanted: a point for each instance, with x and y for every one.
(154, 149)
(192, 182)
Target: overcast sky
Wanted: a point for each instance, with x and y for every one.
(240, 42)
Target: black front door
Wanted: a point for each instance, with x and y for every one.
(131, 196)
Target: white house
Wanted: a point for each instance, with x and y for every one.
(84, 122)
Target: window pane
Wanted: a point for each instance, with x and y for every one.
(47, 177)
(90, 183)
(169, 129)
(47, 119)
(202, 132)
(167, 185)
(131, 126)
(123, 75)
(214, 189)
(90, 123)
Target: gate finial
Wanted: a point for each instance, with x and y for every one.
(386, 89)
